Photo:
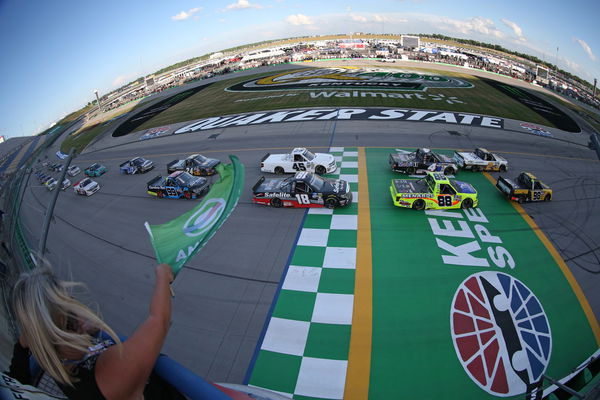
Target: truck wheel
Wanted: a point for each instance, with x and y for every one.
(320, 170)
(548, 197)
(410, 171)
(187, 195)
(278, 170)
(521, 199)
(331, 203)
(419, 204)
(466, 203)
(449, 171)
(502, 168)
(276, 202)
(160, 194)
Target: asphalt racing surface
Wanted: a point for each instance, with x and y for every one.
(225, 293)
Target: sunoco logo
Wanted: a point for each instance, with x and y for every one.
(501, 334)
(350, 78)
(203, 219)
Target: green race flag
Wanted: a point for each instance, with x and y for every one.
(178, 240)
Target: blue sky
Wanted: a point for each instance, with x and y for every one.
(55, 53)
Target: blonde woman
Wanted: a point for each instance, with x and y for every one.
(61, 333)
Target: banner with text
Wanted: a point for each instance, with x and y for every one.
(178, 240)
(343, 114)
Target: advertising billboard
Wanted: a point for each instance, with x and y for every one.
(410, 41)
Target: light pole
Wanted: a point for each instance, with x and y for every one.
(556, 65)
(98, 100)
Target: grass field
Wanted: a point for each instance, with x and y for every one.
(216, 101)
(81, 139)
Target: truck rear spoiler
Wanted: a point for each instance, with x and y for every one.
(122, 165)
(503, 185)
(265, 157)
(169, 165)
(458, 155)
(260, 181)
(153, 181)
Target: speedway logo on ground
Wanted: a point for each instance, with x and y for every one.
(536, 130)
(155, 132)
(352, 78)
(343, 114)
(501, 333)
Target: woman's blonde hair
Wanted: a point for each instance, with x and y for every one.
(46, 313)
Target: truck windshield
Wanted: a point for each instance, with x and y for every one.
(185, 179)
(308, 155)
(316, 182)
(430, 182)
(524, 180)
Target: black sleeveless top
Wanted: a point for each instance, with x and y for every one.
(86, 387)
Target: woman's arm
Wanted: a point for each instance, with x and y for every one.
(122, 371)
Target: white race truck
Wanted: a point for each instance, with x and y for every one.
(300, 159)
(480, 160)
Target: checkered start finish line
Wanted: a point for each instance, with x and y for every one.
(304, 353)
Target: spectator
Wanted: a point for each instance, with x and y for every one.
(63, 336)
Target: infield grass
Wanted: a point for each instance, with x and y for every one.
(81, 139)
(216, 101)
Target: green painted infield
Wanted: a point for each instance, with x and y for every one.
(413, 291)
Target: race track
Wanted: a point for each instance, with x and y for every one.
(224, 295)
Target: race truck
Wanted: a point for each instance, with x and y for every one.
(86, 187)
(524, 187)
(434, 191)
(177, 185)
(196, 164)
(55, 167)
(300, 159)
(52, 183)
(95, 170)
(304, 189)
(480, 160)
(73, 170)
(422, 161)
(137, 165)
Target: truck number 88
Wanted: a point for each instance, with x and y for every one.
(444, 201)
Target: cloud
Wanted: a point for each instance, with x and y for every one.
(299, 19)
(123, 79)
(571, 64)
(185, 14)
(359, 18)
(515, 28)
(242, 4)
(586, 48)
(375, 18)
(380, 18)
(481, 25)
